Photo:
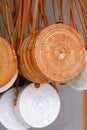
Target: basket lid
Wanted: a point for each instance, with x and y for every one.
(59, 52)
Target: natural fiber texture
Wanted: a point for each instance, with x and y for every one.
(8, 62)
(27, 69)
(58, 52)
(10, 83)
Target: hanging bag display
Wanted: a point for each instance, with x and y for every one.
(8, 60)
(27, 69)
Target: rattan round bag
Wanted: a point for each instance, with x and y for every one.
(27, 68)
(8, 62)
(58, 52)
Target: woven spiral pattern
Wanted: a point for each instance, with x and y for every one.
(8, 62)
(27, 69)
(59, 52)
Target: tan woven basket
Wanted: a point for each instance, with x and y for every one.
(8, 62)
(27, 68)
(55, 54)
(58, 52)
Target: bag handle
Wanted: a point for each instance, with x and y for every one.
(54, 86)
(47, 22)
(17, 91)
(84, 11)
(3, 23)
(37, 85)
(59, 4)
(9, 25)
(42, 14)
(36, 7)
(25, 16)
(18, 18)
(29, 18)
(81, 18)
(54, 11)
(68, 13)
(74, 22)
(34, 18)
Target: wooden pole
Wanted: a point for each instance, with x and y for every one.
(84, 94)
(84, 105)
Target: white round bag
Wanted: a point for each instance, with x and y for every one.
(38, 107)
(80, 82)
(7, 116)
(8, 85)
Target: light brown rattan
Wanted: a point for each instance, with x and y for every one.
(27, 69)
(8, 62)
(59, 52)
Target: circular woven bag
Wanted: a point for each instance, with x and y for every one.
(27, 68)
(58, 52)
(8, 62)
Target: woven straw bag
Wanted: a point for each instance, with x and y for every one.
(57, 52)
(27, 69)
(8, 62)
(8, 59)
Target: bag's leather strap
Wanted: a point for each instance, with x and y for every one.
(59, 3)
(3, 24)
(17, 17)
(9, 25)
(84, 11)
(83, 8)
(25, 16)
(74, 22)
(29, 18)
(81, 18)
(54, 11)
(68, 13)
(21, 28)
(41, 15)
(3, 21)
(17, 91)
(55, 87)
(34, 18)
(15, 10)
(47, 22)
(37, 85)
